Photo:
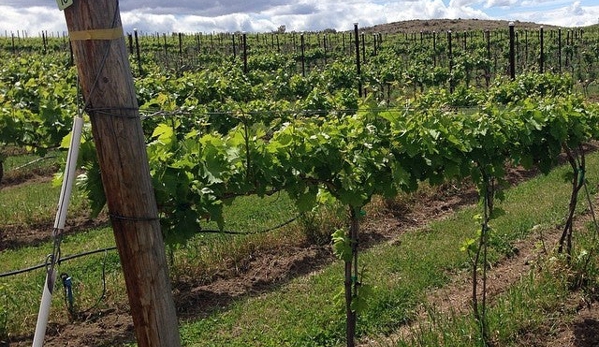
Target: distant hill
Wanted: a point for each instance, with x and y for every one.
(439, 25)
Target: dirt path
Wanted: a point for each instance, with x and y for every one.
(577, 323)
(582, 331)
(456, 297)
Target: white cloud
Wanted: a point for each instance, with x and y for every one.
(573, 14)
(576, 9)
(33, 20)
(430, 9)
(500, 3)
(462, 3)
(144, 21)
(267, 15)
(545, 3)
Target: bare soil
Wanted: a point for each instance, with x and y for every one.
(582, 331)
(456, 298)
(16, 236)
(18, 176)
(560, 330)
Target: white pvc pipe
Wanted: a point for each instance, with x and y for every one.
(59, 222)
(44, 312)
(69, 174)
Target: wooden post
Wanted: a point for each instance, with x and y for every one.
(488, 65)
(138, 53)
(559, 49)
(234, 49)
(324, 48)
(245, 54)
(303, 57)
(450, 53)
(95, 30)
(434, 49)
(542, 53)
(512, 52)
(357, 43)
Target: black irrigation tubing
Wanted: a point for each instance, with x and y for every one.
(212, 231)
(39, 266)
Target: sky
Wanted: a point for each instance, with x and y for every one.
(209, 16)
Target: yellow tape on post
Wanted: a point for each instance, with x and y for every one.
(97, 34)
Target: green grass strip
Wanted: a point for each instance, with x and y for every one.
(33, 204)
(36, 202)
(306, 313)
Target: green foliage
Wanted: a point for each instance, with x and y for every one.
(270, 129)
(352, 157)
(37, 103)
(364, 293)
(342, 245)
